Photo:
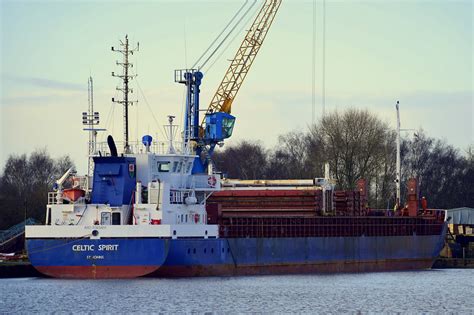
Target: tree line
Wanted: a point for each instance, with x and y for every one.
(25, 183)
(357, 144)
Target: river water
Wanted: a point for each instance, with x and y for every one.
(432, 291)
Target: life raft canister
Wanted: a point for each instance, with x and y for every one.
(211, 180)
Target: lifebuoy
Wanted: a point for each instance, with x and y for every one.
(211, 180)
(196, 218)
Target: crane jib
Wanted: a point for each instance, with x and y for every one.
(241, 63)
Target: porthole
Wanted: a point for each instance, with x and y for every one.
(212, 250)
(194, 251)
(205, 250)
(189, 250)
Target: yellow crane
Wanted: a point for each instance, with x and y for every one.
(218, 123)
(240, 65)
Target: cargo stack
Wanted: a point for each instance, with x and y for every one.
(348, 203)
(265, 203)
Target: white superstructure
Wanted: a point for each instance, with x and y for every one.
(167, 201)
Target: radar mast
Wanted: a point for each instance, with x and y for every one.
(126, 77)
(91, 120)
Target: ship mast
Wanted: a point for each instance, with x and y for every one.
(91, 120)
(126, 78)
(398, 171)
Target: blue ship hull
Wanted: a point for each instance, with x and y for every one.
(133, 257)
(250, 256)
(101, 258)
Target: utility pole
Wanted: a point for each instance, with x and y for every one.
(398, 171)
(125, 50)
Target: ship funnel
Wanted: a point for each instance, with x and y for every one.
(112, 147)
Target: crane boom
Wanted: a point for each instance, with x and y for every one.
(217, 125)
(240, 65)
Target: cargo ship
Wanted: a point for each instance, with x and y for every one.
(148, 214)
(160, 208)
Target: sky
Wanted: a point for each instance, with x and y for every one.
(376, 52)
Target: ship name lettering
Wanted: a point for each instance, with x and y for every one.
(111, 247)
(82, 248)
(95, 227)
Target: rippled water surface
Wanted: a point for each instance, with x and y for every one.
(434, 291)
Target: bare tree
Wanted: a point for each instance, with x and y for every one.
(445, 177)
(25, 183)
(357, 144)
(354, 143)
(291, 157)
(246, 160)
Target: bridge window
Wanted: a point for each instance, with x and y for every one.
(176, 167)
(163, 166)
(190, 165)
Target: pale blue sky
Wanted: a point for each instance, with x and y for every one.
(377, 52)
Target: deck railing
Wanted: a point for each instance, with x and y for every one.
(136, 147)
(330, 226)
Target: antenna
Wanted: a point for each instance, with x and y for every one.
(91, 119)
(125, 50)
(170, 130)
